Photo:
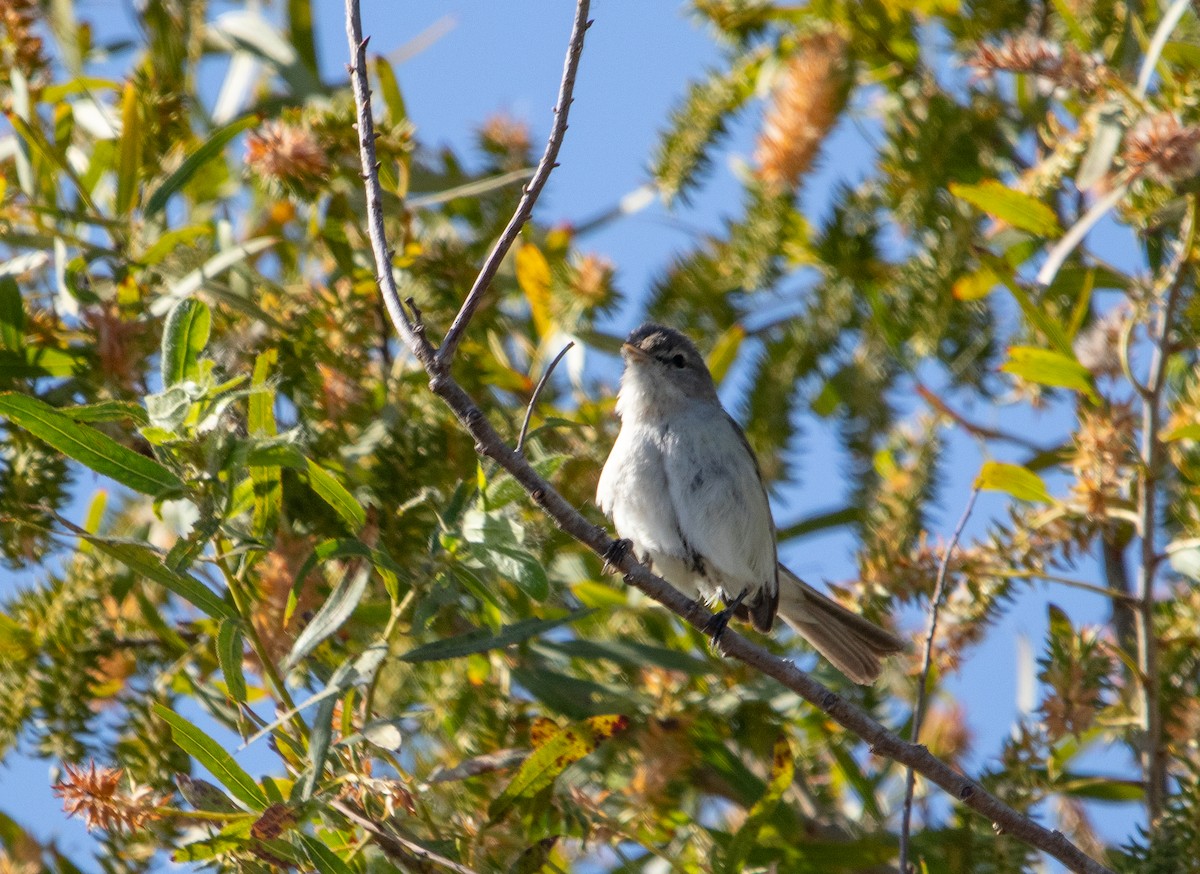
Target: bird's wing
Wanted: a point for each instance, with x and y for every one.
(720, 502)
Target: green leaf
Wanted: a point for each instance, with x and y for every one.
(1189, 431)
(482, 640)
(820, 522)
(783, 770)
(325, 860)
(213, 756)
(207, 151)
(335, 495)
(333, 613)
(1015, 208)
(389, 89)
(1045, 367)
(107, 411)
(130, 156)
(91, 448)
(300, 33)
(565, 747)
(517, 564)
(724, 351)
(184, 337)
(319, 741)
(229, 654)
(143, 560)
(12, 315)
(1021, 483)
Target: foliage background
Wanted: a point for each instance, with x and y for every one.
(336, 412)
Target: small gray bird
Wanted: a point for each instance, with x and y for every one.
(683, 488)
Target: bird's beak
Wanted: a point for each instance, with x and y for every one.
(628, 351)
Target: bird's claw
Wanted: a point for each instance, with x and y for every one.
(716, 625)
(615, 554)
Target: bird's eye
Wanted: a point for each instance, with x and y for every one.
(678, 360)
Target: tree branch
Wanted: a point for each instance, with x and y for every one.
(489, 444)
(525, 208)
(1154, 757)
(935, 605)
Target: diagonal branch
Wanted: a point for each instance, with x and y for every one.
(525, 208)
(490, 444)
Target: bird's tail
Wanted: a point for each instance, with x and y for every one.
(853, 644)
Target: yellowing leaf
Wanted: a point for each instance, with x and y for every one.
(1020, 482)
(561, 748)
(1012, 207)
(725, 352)
(975, 285)
(533, 275)
(1049, 368)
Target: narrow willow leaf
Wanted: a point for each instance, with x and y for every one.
(184, 337)
(724, 351)
(12, 315)
(1015, 208)
(300, 33)
(333, 613)
(482, 640)
(319, 741)
(130, 156)
(1049, 368)
(207, 151)
(323, 859)
(108, 411)
(567, 746)
(144, 561)
(517, 564)
(533, 276)
(1021, 483)
(91, 448)
(335, 495)
(389, 90)
(213, 756)
(229, 654)
(95, 514)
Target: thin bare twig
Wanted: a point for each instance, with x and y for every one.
(935, 605)
(489, 444)
(536, 393)
(365, 124)
(525, 208)
(1154, 757)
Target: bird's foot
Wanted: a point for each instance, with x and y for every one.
(615, 554)
(716, 626)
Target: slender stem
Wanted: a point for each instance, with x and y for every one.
(935, 605)
(537, 393)
(1154, 755)
(532, 191)
(489, 444)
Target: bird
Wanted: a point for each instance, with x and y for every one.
(683, 488)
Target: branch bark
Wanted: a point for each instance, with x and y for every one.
(490, 444)
(1154, 755)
